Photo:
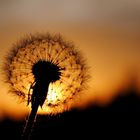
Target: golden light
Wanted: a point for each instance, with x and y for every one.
(53, 97)
(107, 34)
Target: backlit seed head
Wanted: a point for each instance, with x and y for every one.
(62, 65)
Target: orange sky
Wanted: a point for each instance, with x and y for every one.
(108, 34)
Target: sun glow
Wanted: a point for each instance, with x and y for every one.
(52, 96)
(55, 97)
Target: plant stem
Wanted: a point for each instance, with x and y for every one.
(27, 131)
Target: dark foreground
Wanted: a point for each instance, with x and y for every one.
(120, 120)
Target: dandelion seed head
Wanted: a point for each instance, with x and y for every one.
(53, 53)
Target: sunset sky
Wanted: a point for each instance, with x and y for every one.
(106, 32)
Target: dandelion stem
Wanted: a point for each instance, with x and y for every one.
(29, 125)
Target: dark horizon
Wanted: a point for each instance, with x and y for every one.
(117, 119)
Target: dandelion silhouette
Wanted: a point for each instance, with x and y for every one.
(44, 70)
